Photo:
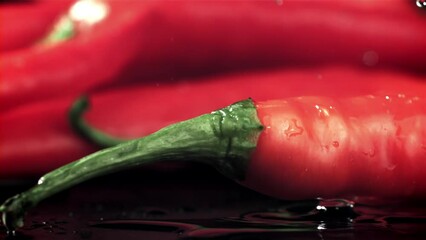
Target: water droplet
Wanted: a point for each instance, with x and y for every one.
(340, 203)
(401, 95)
(322, 226)
(323, 112)
(388, 100)
(370, 153)
(421, 3)
(40, 181)
(321, 208)
(412, 100)
(293, 129)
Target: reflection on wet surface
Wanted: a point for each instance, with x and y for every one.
(197, 203)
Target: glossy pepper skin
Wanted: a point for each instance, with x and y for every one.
(296, 148)
(25, 23)
(73, 66)
(372, 146)
(37, 138)
(171, 39)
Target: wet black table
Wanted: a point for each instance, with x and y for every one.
(196, 202)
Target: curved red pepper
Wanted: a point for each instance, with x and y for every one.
(151, 40)
(24, 23)
(36, 138)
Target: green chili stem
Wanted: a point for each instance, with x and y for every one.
(63, 30)
(224, 139)
(85, 130)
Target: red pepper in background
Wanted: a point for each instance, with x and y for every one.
(37, 138)
(142, 40)
(71, 66)
(24, 23)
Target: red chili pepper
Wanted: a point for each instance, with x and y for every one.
(140, 40)
(321, 147)
(297, 148)
(24, 23)
(36, 138)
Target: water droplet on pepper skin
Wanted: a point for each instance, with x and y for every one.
(323, 112)
(293, 129)
(335, 144)
(370, 153)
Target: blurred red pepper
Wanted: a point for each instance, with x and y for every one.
(24, 23)
(37, 138)
(142, 40)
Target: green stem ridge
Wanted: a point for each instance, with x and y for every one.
(223, 138)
